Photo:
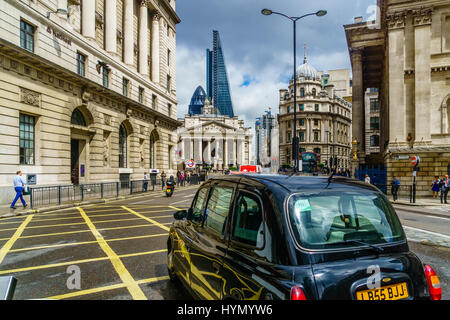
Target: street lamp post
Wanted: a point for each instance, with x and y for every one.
(320, 13)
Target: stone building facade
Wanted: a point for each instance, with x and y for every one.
(323, 120)
(87, 90)
(214, 140)
(404, 53)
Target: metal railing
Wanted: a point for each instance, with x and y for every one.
(62, 194)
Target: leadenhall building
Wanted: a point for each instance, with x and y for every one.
(87, 90)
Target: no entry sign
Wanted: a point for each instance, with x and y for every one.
(415, 160)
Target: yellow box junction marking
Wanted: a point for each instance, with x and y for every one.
(5, 249)
(123, 273)
(146, 218)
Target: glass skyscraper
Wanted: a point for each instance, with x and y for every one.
(217, 86)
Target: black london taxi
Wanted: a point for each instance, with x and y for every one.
(250, 237)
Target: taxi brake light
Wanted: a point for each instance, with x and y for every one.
(297, 293)
(434, 284)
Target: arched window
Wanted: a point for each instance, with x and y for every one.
(152, 151)
(78, 118)
(123, 146)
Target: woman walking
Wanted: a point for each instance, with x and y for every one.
(435, 187)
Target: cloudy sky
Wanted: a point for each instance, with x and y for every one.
(257, 48)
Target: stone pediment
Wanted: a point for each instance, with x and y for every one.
(211, 127)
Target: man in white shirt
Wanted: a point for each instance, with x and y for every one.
(19, 184)
(146, 177)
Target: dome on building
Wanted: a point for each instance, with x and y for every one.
(307, 71)
(197, 101)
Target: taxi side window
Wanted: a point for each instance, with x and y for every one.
(196, 214)
(248, 221)
(218, 208)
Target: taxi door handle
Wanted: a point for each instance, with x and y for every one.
(216, 267)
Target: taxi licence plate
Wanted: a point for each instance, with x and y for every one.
(392, 292)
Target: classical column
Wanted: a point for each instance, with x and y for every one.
(444, 119)
(397, 116)
(358, 100)
(88, 19)
(422, 44)
(233, 148)
(111, 26)
(243, 151)
(208, 151)
(155, 47)
(225, 152)
(191, 148)
(128, 34)
(143, 38)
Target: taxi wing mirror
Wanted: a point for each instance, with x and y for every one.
(180, 215)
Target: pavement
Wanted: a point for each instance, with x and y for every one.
(6, 211)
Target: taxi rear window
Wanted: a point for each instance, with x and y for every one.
(338, 219)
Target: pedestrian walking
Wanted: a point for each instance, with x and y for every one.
(146, 177)
(435, 187)
(444, 189)
(178, 177)
(163, 179)
(182, 178)
(367, 179)
(19, 185)
(395, 185)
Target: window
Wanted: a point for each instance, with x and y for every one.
(152, 151)
(374, 105)
(78, 118)
(218, 208)
(248, 221)
(125, 84)
(123, 146)
(328, 219)
(316, 136)
(197, 206)
(154, 101)
(375, 141)
(317, 150)
(169, 109)
(314, 92)
(81, 64)
(105, 77)
(316, 108)
(168, 57)
(316, 122)
(301, 107)
(302, 92)
(302, 136)
(169, 83)
(302, 122)
(141, 95)
(27, 36)
(288, 109)
(374, 123)
(170, 157)
(26, 139)
(288, 138)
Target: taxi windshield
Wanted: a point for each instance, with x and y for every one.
(341, 219)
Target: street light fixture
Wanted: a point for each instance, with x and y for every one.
(320, 13)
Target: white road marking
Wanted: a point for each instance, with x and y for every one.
(179, 201)
(424, 215)
(429, 232)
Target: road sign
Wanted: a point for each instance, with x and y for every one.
(415, 160)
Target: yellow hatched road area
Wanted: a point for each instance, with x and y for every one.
(93, 223)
